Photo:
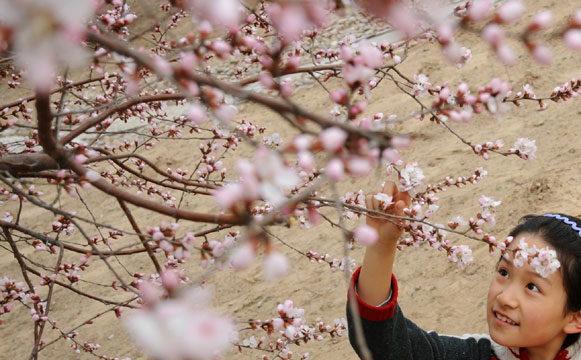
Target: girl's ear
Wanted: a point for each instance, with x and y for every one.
(574, 324)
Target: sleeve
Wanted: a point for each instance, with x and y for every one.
(390, 336)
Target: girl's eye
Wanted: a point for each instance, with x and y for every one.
(503, 272)
(532, 287)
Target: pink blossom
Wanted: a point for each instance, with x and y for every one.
(357, 74)
(510, 11)
(314, 215)
(276, 177)
(479, 10)
(444, 93)
(335, 169)
(205, 28)
(228, 195)
(150, 292)
(545, 262)
(526, 148)
(267, 81)
(365, 235)
(290, 21)
(488, 204)
(162, 66)
(346, 53)
(384, 200)
(243, 256)
(493, 34)
(226, 113)
(182, 328)
(222, 13)
(445, 33)
(576, 18)
(523, 252)
(422, 85)
(302, 142)
(286, 88)
(506, 55)
(401, 141)
(293, 62)
(170, 279)
(339, 96)
(391, 155)
(372, 56)
(573, 39)
(333, 138)
(275, 266)
(399, 16)
(358, 108)
(196, 114)
(461, 255)
(411, 176)
(305, 160)
(542, 55)
(542, 20)
(221, 48)
(358, 166)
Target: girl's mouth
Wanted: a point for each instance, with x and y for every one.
(504, 319)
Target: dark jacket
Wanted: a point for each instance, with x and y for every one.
(390, 336)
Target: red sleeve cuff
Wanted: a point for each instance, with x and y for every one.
(370, 312)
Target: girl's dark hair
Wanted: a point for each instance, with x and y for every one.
(567, 242)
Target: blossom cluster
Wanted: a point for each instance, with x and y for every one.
(11, 290)
(182, 328)
(544, 261)
(288, 329)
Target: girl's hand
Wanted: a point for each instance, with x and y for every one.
(387, 229)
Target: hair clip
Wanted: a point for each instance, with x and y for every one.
(566, 220)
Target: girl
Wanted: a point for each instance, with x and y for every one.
(529, 316)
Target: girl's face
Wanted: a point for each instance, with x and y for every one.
(525, 310)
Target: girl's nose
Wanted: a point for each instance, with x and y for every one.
(507, 297)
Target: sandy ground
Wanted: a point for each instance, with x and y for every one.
(434, 293)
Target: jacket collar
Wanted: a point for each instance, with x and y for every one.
(573, 352)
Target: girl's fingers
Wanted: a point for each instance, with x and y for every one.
(375, 204)
(399, 206)
(389, 188)
(403, 196)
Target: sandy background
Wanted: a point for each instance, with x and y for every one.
(434, 293)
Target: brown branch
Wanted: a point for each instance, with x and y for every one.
(48, 240)
(32, 98)
(48, 141)
(48, 301)
(114, 158)
(23, 269)
(141, 237)
(119, 107)
(75, 290)
(18, 257)
(307, 69)
(30, 162)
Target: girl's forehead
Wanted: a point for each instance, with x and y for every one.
(531, 239)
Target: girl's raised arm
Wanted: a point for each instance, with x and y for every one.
(374, 285)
